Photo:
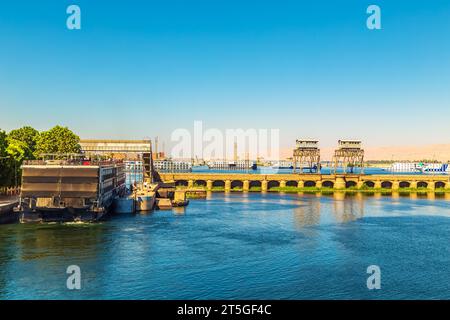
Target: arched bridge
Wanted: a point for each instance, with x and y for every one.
(265, 182)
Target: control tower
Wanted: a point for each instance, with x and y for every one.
(349, 154)
(306, 156)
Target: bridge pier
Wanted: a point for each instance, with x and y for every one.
(190, 183)
(431, 186)
(319, 184)
(360, 184)
(413, 184)
(227, 185)
(282, 183)
(264, 185)
(209, 185)
(246, 185)
(395, 185)
(339, 183)
(377, 184)
(301, 184)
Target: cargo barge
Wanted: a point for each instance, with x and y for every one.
(69, 190)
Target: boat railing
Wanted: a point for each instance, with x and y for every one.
(74, 162)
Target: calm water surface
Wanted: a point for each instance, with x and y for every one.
(243, 246)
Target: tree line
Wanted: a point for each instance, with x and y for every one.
(27, 143)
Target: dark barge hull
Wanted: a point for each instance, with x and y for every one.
(69, 192)
(8, 215)
(61, 215)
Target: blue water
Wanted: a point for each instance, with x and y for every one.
(240, 246)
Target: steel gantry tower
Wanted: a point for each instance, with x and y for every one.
(306, 156)
(349, 154)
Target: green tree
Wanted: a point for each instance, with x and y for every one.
(3, 143)
(26, 134)
(57, 140)
(5, 162)
(17, 151)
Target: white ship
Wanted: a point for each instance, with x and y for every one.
(404, 167)
(420, 167)
(438, 168)
(238, 164)
(282, 164)
(168, 165)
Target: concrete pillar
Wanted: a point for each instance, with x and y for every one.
(282, 184)
(264, 185)
(190, 183)
(413, 185)
(377, 184)
(339, 183)
(319, 184)
(395, 185)
(300, 184)
(209, 185)
(227, 185)
(246, 185)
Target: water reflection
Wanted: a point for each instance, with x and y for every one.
(46, 250)
(344, 207)
(179, 210)
(308, 213)
(347, 207)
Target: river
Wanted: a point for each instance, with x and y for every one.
(240, 246)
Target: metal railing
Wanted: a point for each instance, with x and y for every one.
(10, 191)
(73, 162)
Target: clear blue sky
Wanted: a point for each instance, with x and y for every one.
(311, 68)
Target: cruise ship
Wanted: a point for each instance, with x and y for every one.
(69, 190)
(230, 165)
(169, 165)
(435, 168)
(420, 167)
(406, 167)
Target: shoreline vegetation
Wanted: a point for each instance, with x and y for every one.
(325, 190)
